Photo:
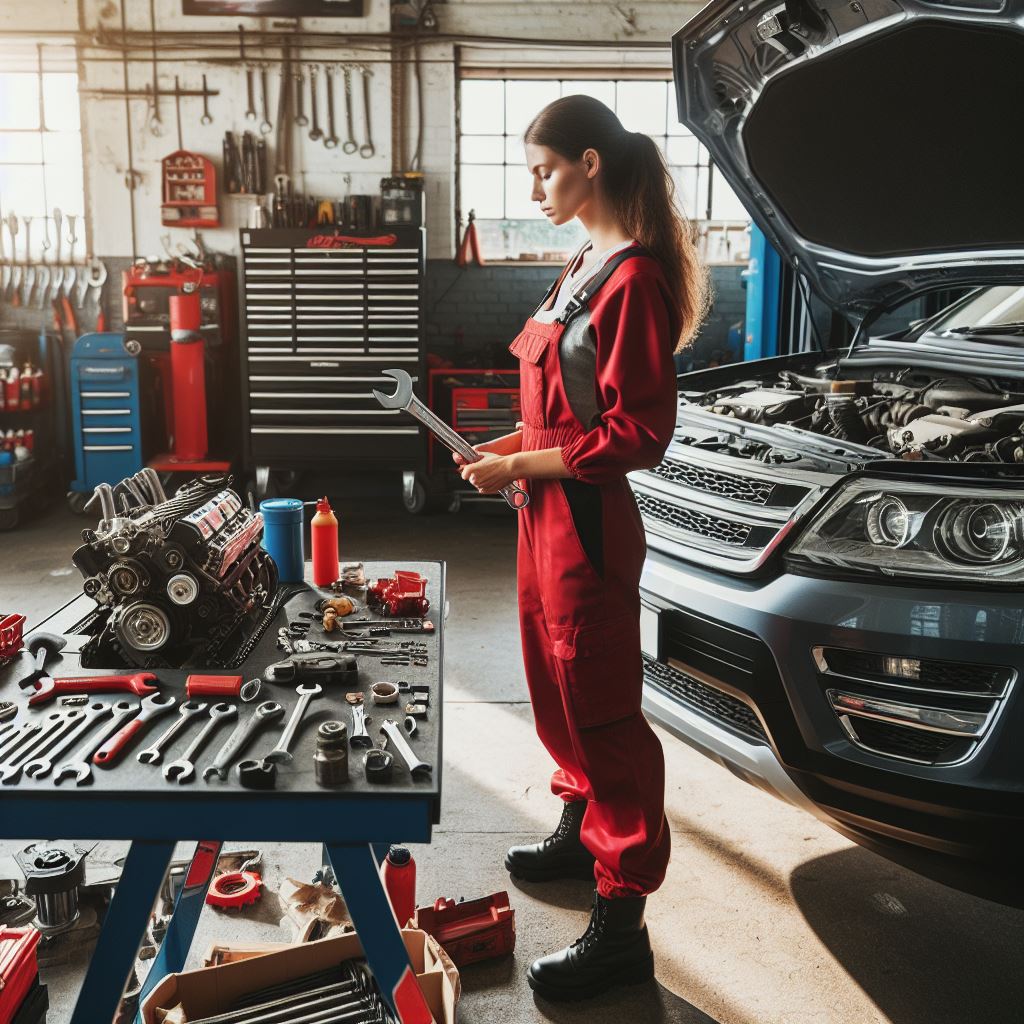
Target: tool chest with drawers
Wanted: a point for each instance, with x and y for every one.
(324, 312)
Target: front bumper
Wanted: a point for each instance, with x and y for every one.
(754, 641)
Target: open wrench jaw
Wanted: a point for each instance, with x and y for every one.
(183, 770)
(307, 692)
(268, 711)
(154, 753)
(405, 399)
(58, 725)
(79, 767)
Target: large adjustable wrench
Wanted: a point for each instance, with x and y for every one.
(404, 398)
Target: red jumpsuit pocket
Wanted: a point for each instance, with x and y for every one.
(531, 350)
(600, 669)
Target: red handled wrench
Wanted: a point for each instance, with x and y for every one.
(47, 688)
(151, 707)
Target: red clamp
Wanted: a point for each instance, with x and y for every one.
(235, 890)
(10, 634)
(404, 595)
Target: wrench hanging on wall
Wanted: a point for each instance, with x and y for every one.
(331, 138)
(250, 92)
(155, 123)
(367, 148)
(349, 145)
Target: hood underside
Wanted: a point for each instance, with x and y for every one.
(875, 142)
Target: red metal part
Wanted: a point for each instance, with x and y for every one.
(188, 378)
(47, 688)
(213, 686)
(403, 595)
(472, 930)
(235, 890)
(18, 968)
(11, 627)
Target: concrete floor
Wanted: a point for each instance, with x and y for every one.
(767, 916)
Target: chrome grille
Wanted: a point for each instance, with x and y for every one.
(753, 491)
(692, 521)
(707, 699)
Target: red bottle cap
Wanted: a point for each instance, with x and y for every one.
(323, 505)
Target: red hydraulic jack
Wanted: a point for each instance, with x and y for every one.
(188, 388)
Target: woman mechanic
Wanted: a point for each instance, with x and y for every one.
(598, 396)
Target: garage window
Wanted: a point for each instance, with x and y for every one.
(40, 143)
(494, 182)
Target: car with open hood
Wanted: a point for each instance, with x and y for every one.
(832, 598)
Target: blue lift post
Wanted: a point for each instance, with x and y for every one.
(763, 278)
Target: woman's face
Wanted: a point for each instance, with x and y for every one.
(563, 187)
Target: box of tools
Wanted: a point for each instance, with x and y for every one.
(294, 972)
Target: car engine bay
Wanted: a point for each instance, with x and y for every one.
(905, 414)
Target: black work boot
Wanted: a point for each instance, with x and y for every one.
(561, 855)
(615, 950)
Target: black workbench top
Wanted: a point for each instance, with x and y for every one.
(131, 785)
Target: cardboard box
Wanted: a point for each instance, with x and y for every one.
(212, 990)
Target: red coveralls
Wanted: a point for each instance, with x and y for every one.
(579, 599)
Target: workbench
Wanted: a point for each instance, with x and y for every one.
(133, 801)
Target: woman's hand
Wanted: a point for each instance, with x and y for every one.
(506, 445)
(491, 473)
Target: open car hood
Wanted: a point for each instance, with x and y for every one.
(877, 143)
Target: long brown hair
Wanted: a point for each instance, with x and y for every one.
(639, 188)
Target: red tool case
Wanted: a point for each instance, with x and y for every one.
(471, 930)
(18, 968)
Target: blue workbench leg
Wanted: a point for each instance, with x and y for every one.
(355, 868)
(173, 952)
(123, 929)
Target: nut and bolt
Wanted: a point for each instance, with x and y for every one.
(331, 758)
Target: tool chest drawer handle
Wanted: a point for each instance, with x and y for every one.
(106, 412)
(108, 448)
(335, 430)
(104, 394)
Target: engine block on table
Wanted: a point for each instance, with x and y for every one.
(177, 580)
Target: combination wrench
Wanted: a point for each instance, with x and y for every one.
(300, 99)
(153, 706)
(307, 692)
(405, 398)
(153, 754)
(331, 138)
(314, 132)
(367, 148)
(184, 768)
(40, 766)
(250, 91)
(349, 145)
(265, 126)
(268, 711)
(79, 767)
(57, 725)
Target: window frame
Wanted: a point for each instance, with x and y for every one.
(614, 73)
(37, 57)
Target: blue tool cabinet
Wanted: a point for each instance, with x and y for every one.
(106, 420)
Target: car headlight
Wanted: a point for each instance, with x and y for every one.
(907, 529)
